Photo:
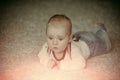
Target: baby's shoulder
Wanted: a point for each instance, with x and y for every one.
(43, 50)
(45, 45)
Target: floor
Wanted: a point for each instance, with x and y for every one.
(22, 33)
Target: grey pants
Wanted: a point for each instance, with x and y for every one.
(97, 40)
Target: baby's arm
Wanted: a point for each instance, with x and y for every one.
(45, 59)
(43, 56)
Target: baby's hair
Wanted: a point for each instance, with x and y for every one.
(60, 18)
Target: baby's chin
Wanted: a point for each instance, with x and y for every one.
(57, 51)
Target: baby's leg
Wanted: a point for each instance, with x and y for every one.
(101, 32)
(98, 41)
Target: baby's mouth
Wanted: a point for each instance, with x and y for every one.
(55, 48)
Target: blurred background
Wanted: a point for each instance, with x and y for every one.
(22, 30)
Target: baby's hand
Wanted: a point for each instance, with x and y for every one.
(52, 64)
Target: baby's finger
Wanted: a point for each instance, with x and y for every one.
(51, 64)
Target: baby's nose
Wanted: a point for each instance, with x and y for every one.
(55, 41)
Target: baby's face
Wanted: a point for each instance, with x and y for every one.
(57, 38)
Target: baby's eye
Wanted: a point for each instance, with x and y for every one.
(50, 38)
(60, 39)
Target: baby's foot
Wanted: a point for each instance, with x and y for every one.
(101, 25)
(101, 32)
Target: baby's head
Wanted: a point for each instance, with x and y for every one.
(58, 32)
(60, 21)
